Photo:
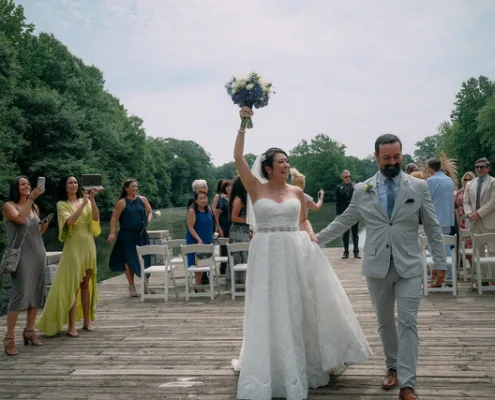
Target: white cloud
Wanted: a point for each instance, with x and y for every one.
(352, 70)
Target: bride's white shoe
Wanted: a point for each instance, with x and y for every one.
(339, 370)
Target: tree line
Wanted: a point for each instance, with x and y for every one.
(469, 134)
(57, 118)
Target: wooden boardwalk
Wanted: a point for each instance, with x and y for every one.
(182, 350)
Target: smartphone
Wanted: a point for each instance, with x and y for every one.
(41, 181)
(44, 220)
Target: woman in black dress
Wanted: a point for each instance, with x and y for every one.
(223, 217)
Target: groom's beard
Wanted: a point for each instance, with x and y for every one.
(391, 170)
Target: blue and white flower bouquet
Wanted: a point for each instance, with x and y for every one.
(250, 91)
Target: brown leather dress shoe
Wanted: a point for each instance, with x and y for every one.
(408, 393)
(439, 278)
(390, 381)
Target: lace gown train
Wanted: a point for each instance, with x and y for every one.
(298, 321)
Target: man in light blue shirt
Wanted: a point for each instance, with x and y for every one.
(442, 193)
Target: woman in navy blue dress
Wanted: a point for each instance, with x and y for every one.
(133, 213)
(199, 226)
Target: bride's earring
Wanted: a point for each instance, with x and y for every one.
(269, 175)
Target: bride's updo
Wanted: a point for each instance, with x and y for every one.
(267, 159)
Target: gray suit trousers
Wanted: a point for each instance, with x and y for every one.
(400, 345)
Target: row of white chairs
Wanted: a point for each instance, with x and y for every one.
(166, 262)
(479, 258)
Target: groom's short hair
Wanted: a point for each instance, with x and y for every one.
(388, 138)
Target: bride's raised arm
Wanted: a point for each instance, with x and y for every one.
(250, 182)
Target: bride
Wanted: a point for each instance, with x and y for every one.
(298, 323)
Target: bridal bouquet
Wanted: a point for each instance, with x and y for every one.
(250, 91)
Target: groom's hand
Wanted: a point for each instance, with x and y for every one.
(313, 237)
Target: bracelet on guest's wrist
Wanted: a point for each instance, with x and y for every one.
(241, 131)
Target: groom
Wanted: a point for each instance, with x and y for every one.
(391, 203)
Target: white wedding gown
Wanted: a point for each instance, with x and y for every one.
(298, 321)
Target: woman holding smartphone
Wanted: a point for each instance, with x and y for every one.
(73, 295)
(24, 228)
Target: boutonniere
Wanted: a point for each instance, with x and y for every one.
(368, 188)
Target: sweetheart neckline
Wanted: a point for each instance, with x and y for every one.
(274, 201)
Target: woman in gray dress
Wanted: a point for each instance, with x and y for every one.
(22, 221)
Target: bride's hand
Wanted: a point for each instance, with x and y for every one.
(313, 237)
(246, 112)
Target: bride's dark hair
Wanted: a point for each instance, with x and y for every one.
(267, 160)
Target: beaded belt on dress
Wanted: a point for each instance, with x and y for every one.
(277, 229)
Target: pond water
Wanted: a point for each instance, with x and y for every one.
(173, 219)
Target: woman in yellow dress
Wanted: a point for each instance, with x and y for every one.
(73, 295)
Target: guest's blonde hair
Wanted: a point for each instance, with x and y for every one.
(297, 179)
(417, 174)
(472, 175)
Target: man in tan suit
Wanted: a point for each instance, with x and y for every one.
(479, 206)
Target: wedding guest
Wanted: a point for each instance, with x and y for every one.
(200, 224)
(222, 216)
(239, 229)
(480, 210)
(459, 208)
(417, 174)
(24, 229)
(133, 212)
(299, 180)
(411, 167)
(200, 184)
(344, 195)
(73, 294)
(441, 189)
(218, 194)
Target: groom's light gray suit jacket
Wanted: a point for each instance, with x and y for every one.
(396, 237)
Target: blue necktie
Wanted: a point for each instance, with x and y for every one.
(478, 193)
(390, 196)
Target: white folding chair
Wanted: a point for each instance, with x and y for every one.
(467, 268)
(235, 248)
(428, 263)
(218, 258)
(175, 261)
(481, 240)
(204, 265)
(166, 269)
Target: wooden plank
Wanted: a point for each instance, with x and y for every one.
(182, 350)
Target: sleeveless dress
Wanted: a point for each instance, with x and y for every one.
(78, 255)
(239, 233)
(204, 228)
(298, 321)
(28, 281)
(132, 233)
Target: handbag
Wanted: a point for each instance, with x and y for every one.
(11, 257)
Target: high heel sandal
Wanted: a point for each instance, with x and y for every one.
(132, 291)
(30, 336)
(9, 345)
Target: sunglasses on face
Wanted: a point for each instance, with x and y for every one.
(480, 166)
(467, 180)
(348, 176)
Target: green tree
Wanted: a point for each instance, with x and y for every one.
(321, 160)
(427, 148)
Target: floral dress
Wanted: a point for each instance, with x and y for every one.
(461, 215)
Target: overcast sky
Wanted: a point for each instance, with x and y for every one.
(350, 69)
